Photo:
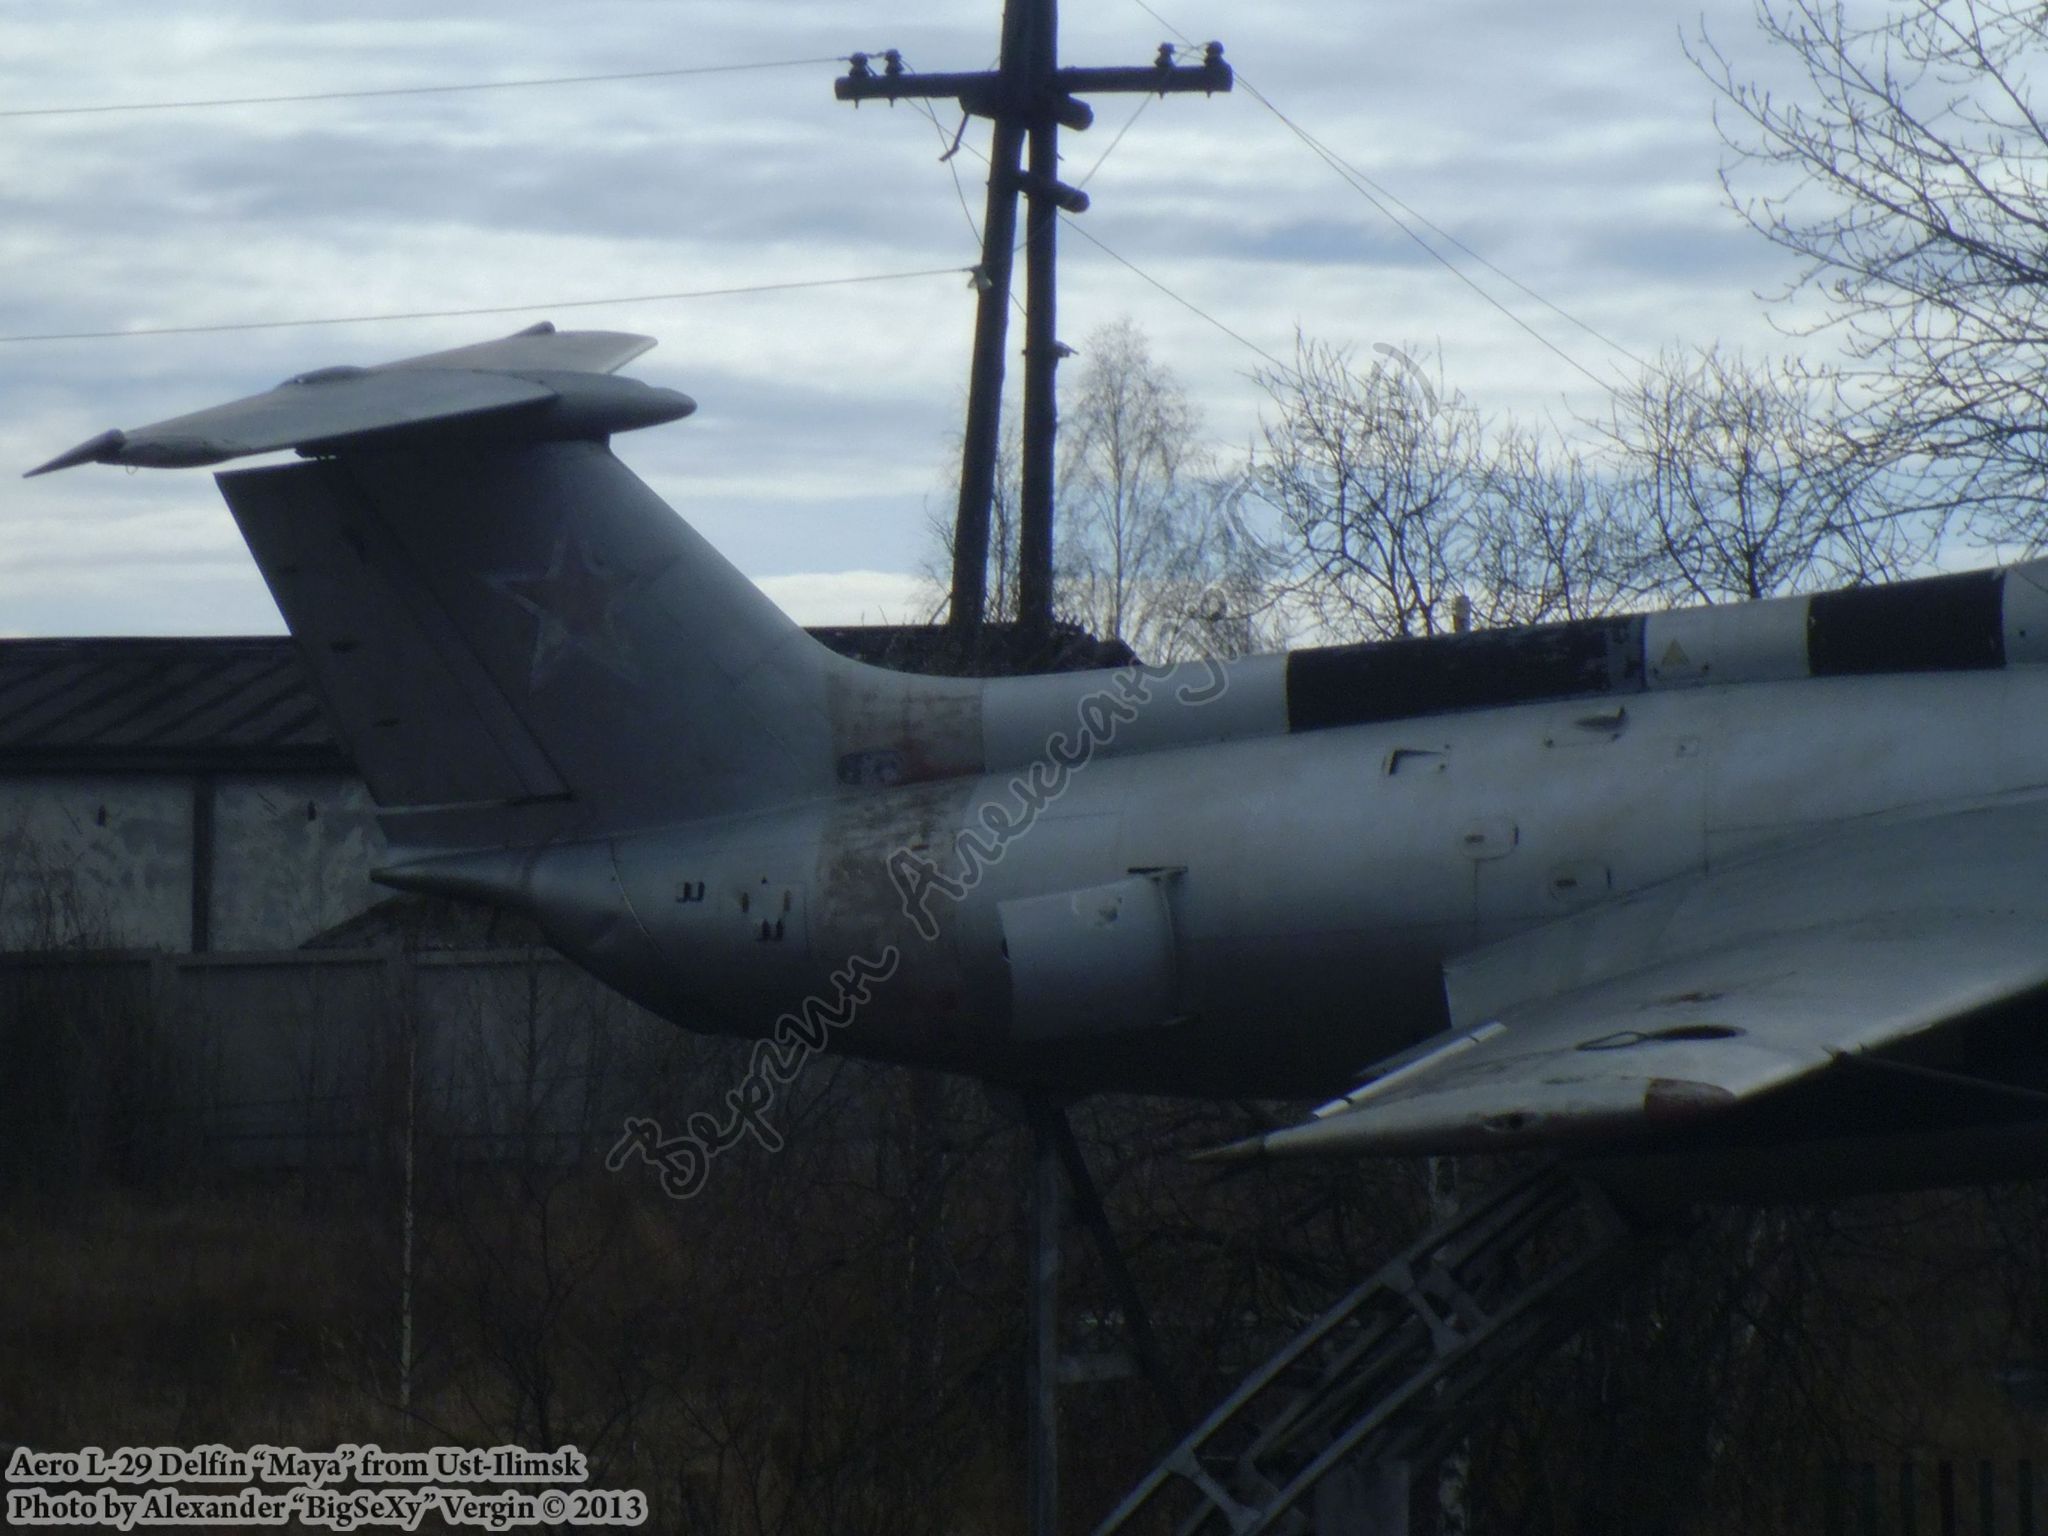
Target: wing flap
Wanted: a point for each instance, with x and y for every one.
(1695, 996)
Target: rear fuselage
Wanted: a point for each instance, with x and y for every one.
(1308, 887)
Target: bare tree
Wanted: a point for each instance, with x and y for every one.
(1907, 174)
(1401, 513)
(1129, 432)
(1373, 479)
(1747, 483)
(1152, 549)
(1556, 537)
(1150, 544)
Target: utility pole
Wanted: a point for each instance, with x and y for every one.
(1043, 198)
(1029, 97)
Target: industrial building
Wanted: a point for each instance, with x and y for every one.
(194, 958)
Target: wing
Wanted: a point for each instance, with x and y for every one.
(1694, 996)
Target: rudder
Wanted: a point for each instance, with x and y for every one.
(532, 624)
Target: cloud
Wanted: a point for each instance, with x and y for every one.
(1571, 144)
(852, 597)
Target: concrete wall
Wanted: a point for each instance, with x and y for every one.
(95, 861)
(292, 858)
(124, 1045)
(140, 861)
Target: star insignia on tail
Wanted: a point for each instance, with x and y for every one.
(576, 602)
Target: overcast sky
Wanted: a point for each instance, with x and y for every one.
(1570, 144)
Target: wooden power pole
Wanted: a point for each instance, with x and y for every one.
(1029, 97)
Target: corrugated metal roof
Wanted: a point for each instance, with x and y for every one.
(173, 705)
(247, 704)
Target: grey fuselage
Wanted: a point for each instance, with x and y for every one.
(1229, 890)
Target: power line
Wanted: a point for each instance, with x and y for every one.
(1329, 158)
(1507, 277)
(1187, 304)
(947, 160)
(1362, 184)
(487, 309)
(1121, 260)
(955, 143)
(958, 143)
(417, 90)
(1438, 256)
(1129, 123)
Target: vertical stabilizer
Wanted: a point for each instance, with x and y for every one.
(516, 638)
(522, 625)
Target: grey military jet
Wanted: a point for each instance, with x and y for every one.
(1756, 891)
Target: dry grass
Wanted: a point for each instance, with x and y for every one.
(823, 1344)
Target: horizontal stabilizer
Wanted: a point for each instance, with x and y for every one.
(515, 638)
(541, 348)
(535, 386)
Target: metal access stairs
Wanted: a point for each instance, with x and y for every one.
(1398, 1370)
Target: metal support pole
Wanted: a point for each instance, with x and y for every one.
(1137, 1321)
(1454, 1470)
(1042, 1373)
(1041, 344)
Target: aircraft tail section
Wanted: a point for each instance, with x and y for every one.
(531, 629)
(516, 638)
